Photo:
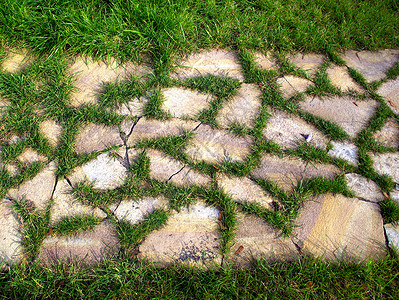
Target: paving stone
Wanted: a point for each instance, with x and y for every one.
(12, 169)
(94, 137)
(88, 247)
(392, 232)
(259, 240)
(395, 194)
(10, 238)
(364, 188)
(190, 237)
(265, 61)
(133, 108)
(243, 108)
(335, 226)
(214, 62)
(135, 211)
(390, 91)
(372, 65)
(387, 163)
(52, 131)
(288, 172)
(17, 60)
(105, 172)
(39, 189)
(4, 104)
(351, 115)
(244, 190)
(341, 79)
(29, 156)
(291, 85)
(388, 134)
(346, 151)
(181, 102)
(288, 130)
(148, 129)
(310, 63)
(66, 205)
(215, 146)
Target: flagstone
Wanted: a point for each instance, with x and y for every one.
(265, 61)
(392, 232)
(291, 85)
(340, 78)
(390, 91)
(335, 227)
(388, 134)
(17, 60)
(387, 163)
(364, 188)
(29, 156)
(309, 63)
(52, 131)
(351, 115)
(133, 108)
(10, 237)
(4, 105)
(346, 151)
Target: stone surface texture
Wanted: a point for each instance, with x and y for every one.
(392, 232)
(390, 91)
(341, 79)
(291, 85)
(388, 134)
(10, 237)
(346, 151)
(265, 61)
(364, 188)
(134, 108)
(309, 63)
(52, 131)
(387, 163)
(16, 61)
(29, 156)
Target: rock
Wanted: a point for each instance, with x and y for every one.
(133, 108)
(336, 227)
(390, 91)
(387, 163)
(181, 102)
(244, 190)
(389, 134)
(351, 115)
(4, 105)
(52, 131)
(215, 146)
(287, 172)
(288, 130)
(265, 61)
(39, 189)
(214, 62)
(12, 169)
(392, 232)
(291, 85)
(364, 188)
(372, 65)
(88, 247)
(395, 194)
(189, 237)
(17, 60)
(243, 108)
(29, 156)
(309, 63)
(341, 79)
(10, 238)
(346, 151)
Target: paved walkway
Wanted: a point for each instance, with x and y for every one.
(327, 224)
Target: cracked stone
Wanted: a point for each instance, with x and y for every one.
(16, 61)
(351, 115)
(392, 232)
(388, 134)
(390, 91)
(309, 63)
(334, 226)
(344, 151)
(387, 163)
(52, 131)
(133, 108)
(29, 156)
(4, 104)
(341, 79)
(291, 85)
(265, 61)
(215, 146)
(364, 188)
(243, 108)
(10, 238)
(288, 130)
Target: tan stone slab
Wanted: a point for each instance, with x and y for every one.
(387, 163)
(12, 169)
(335, 226)
(17, 60)
(351, 115)
(52, 131)
(181, 102)
(39, 189)
(392, 232)
(265, 61)
(190, 237)
(214, 62)
(309, 63)
(372, 65)
(259, 241)
(291, 85)
(244, 190)
(10, 237)
(243, 108)
(346, 151)
(390, 91)
(215, 146)
(133, 108)
(340, 78)
(88, 247)
(4, 105)
(29, 156)
(288, 172)
(148, 129)
(364, 188)
(388, 134)
(289, 130)
(94, 137)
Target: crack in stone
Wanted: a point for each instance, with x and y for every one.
(131, 129)
(176, 173)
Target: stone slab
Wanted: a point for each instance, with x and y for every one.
(134, 108)
(291, 85)
(392, 232)
(364, 188)
(10, 237)
(29, 156)
(388, 134)
(4, 105)
(309, 63)
(387, 163)
(265, 61)
(390, 91)
(52, 131)
(346, 151)
(17, 60)
(340, 78)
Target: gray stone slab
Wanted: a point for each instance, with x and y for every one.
(392, 232)
(340, 78)
(364, 188)
(10, 237)
(134, 108)
(291, 85)
(388, 134)
(390, 91)
(387, 163)
(346, 151)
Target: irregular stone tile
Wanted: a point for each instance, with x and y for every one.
(148, 129)
(52, 131)
(133, 108)
(181, 102)
(265, 61)
(346, 151)
(243, 108)
(189, 237)
(288, 172)
(4, 104)
(132, 155)
(395, 194)
(372, 65)
(388, 134)
(215, 146)
(307, 62)
(387, 163)
(65, 204)
(214, 62)
(364, 188)
(10, 239)
(291, 85)
(335, 226)
(105, 172)
(88, 247)
(135, 211)
(29, 156)
(244, 190)
(94, 137)
(12, 169)
(16, 61)
(392, 232)
(288, 130)
(390, 91)
(90, 77)
(259, 240)
(39, 189)
(341, 79)
(351, 115)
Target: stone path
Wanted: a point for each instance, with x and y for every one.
(328, 224)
